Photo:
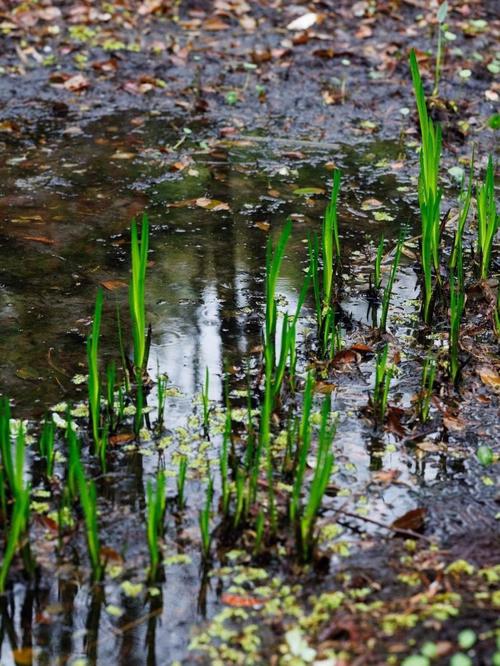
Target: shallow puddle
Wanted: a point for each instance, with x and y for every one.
(65, 210)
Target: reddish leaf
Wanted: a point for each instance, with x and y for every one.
(411, 520)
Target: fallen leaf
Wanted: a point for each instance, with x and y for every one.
(386, 476)
(489, 377)
(40, 239)
(263, 226)
(303, 22)
(453, 422)
(324, 388)
(215, 23)
(110, 554)
(345, 357)
(121, 438)
(76, 83)
(211, 204)
(304, 191)
(411, 520)
(111, 285)
(238, 601)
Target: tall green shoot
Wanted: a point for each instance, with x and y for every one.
(94, 385)
(330, 241)
(429, 192)
(46, 445)
(137, 287)
(156, 505)
(386, 299)
(383, 375)
(488, 220)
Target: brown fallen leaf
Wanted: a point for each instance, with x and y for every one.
(215, 23)
(386, 476)
(111, 285)
(345, 357)
(121, 438)
(453, 422)
(23, 656)
(324, 388)
(238, 601)
(490, 377)
(211, 204)
(263, 226)
(411, 520)
(40, 239)
(76, 83)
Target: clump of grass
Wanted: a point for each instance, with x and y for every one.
(224, 461)
(488, 220)
(429, 192)
(137, 289)
(204, 522)
(46, 445)
(321, 478)
(94, 383)
(383, 375)
(386, 299)
(156, 505)
(426, 387)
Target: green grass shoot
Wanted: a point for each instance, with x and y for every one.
(12, 466)
(330, 241)
(303, 445)
(156, 505)
(383, 376)
(457, 303)
(377, 275)
(88, 502)
(16, 534)
(161, 386)
(181, 482)
(110, 392)
(488, 220)
(46, 445)
(429, 192)
(206, 403)
(386, 299)
(426, 388)
(94, 384)
(204, 522)
(464, 206)
(321, 478)
(137, 288)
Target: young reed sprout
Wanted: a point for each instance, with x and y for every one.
(137, 290)
(94, 386)
(386, 299)
(88, 502)
(429, 192)
(12, 466)
(46, 445)
(224, 461)
(139, 406)
(377, 275)
(427, 385)
(464, 206)
(204, 522)
(488, 220)
(330, 241)
(181, 482)
(441, 18)
(110, 391)
(259, 531)
(16, 536)
(321, 478)
(161, 386)
(457, 302)
(206, 403)
(496, 315)
(302, 450)
(383, 376)
(156, 504)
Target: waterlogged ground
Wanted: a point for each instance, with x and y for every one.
(373, 596)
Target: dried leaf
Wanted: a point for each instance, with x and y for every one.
(111, 285)
(489, 377)
(303, 22)
(40, 239)
(411, 520)
(121, 438)
(76, 83)
(238, 601)
(211, 204)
